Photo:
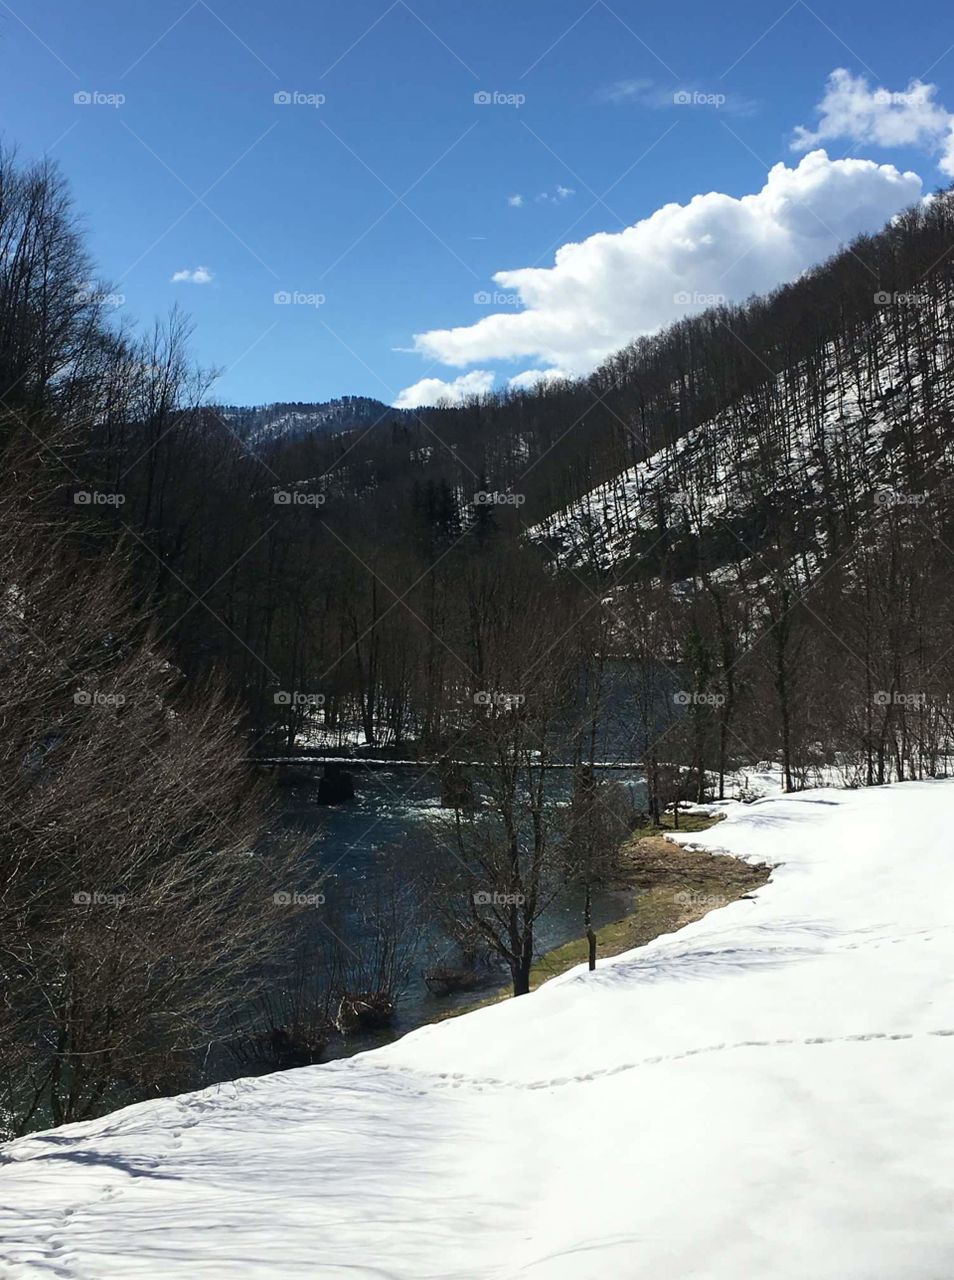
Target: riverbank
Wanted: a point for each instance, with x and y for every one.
(675, 886)
(394, 812)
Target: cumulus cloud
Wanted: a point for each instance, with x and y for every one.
(515, 202)
(534, 377)
(851, 109)
(201, 275)
(606, 290)
(435, 391)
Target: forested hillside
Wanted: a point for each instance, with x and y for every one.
(265, 424)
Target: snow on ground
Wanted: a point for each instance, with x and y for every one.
(764, 1095)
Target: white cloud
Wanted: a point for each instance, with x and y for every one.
(661, 97)
(630, 91)
(606, 290)
(201, 275)
(435, 391)
(557, 195)
(515, 202)
(851, 109)
(531, 378)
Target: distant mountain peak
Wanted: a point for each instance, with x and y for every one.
(263, 425)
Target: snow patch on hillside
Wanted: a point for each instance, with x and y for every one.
(714, 474)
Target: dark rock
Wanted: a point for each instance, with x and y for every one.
(446, 981)
(364, 1011)
(457, 788)
(336, 786)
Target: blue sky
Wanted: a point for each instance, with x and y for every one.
(385, 189)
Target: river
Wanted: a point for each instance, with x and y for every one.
(392, 810)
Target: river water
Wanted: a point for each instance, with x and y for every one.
(392, 810)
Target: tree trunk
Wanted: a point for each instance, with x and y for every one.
(588, 921)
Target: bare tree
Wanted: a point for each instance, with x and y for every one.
(142, 886)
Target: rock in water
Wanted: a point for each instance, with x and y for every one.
(364, 1011)
(336, 785)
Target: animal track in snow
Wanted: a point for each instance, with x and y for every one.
(454, 1080)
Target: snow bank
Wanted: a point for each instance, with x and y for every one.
(764, 1094)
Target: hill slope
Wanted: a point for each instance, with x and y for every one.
(854, 426)
(286, 422)
(765, 1093)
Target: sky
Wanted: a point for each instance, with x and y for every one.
(420, 201)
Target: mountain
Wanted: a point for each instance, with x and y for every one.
(855, 427)
(816, 403)
(266, 425)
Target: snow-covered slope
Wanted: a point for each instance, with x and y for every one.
(843, 441)
(765, 1094)
(267, 424)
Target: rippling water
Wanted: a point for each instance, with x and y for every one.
(392, 809)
